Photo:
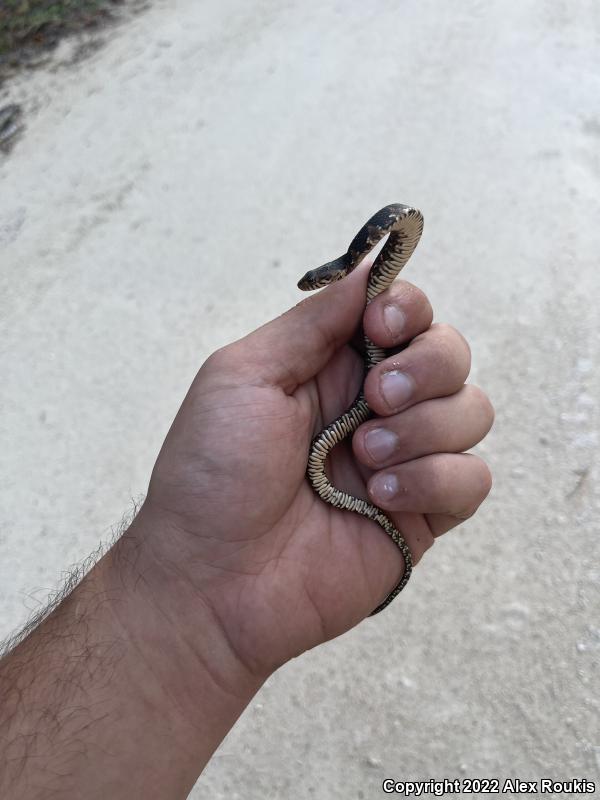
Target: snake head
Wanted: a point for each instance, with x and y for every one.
(323, 276)
(308, 281)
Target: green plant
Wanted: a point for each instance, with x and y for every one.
(40, 23)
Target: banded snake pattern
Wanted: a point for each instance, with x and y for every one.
(403, 225)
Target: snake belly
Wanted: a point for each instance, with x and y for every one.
(403, 225)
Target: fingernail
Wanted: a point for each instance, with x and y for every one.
(380, 443)
(396, 387)
(384, 487)
(394, 320)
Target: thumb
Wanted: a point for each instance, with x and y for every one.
(294, 347)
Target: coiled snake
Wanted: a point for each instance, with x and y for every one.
(404, 226)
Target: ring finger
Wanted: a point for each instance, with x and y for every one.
(444, 483)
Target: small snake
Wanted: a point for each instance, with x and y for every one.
(404, 226)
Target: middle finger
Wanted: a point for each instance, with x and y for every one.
(442, 425)
(435, 364)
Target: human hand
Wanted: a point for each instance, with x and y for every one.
(280, 570)
(234, 565)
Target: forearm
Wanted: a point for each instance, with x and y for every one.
(125, 690)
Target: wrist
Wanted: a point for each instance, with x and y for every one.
(166, 613)
(179, 653)
(131, 665)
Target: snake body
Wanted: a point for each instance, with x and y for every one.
(403, 225)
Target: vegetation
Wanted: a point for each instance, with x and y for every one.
(27, 26)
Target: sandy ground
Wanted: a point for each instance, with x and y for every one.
(166, 196)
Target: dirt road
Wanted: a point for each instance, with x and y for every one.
(167, 194)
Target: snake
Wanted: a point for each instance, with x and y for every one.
(403, 226)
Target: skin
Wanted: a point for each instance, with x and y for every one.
(233, 566)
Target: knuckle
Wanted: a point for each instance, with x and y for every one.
(214, 361)
(466, 514)
(479, 401)
(470, 475)
(452, 339)
(480, 484)
(481, 478)
(222, 360)
(445, 331)
(413, 296)
(446, 350)
(487, 480)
